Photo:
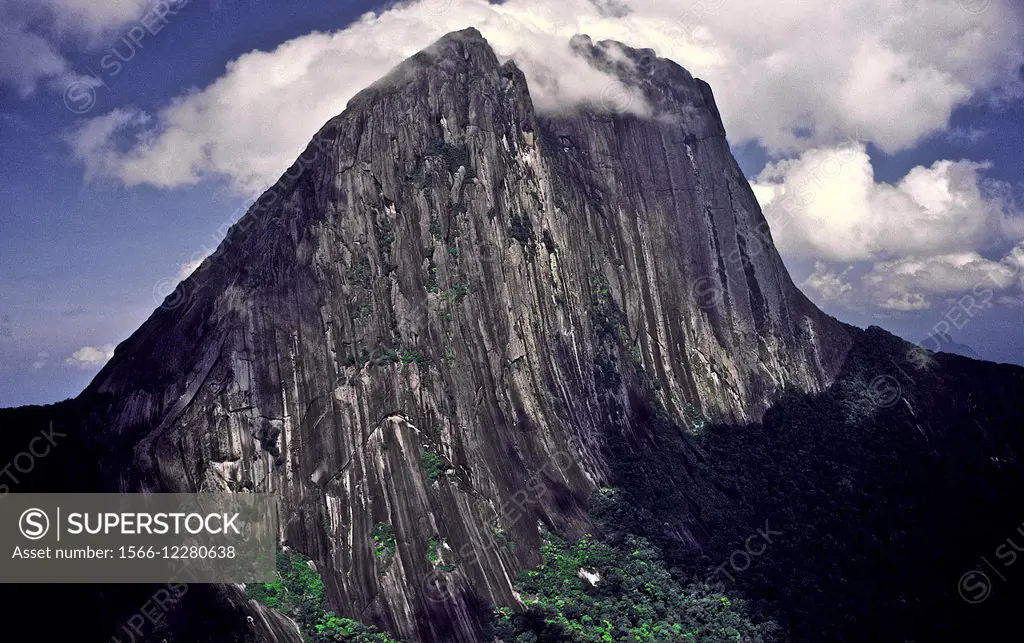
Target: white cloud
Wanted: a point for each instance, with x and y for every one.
(91, 356)
(919, 283)
(826, 205)
(40, 361)
(966, 135)
(186, 269)
(94, 17)
(911, 283)
(33, 33)
(827, 283)
(799, 81)
(251, 123)
(25, 58)
(793, 78)
(911, 243)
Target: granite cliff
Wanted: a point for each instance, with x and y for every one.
(447, 322)
(447, 275)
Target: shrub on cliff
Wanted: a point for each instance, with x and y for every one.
(298, 592)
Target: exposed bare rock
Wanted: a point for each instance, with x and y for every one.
(430, 323)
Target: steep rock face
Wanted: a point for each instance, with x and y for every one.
(101, 613)
(690, 257)
(421, 335)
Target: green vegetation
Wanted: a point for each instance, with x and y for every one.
(406, 356)
(436, 557)
(355, 360)
(608, 319)
(333, 628)
(590, 591)
(454, 156)
(501, 536)
(385, 232)
(359, 272)
(522, 230)
(601, 290)
(851, 493)
(298, 592)
(432, 278)
(384, 543)
(693, 416)
(362, 311)
(400, 355)
(457, 292)
(433, 464)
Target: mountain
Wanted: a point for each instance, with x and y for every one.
(457, 328)
(944, 343)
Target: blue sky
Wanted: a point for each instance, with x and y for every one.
(112, 183)
(79, 262)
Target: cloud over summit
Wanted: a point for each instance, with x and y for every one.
(810, 85)
(792, 79)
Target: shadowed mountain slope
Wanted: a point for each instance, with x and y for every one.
(454, 320)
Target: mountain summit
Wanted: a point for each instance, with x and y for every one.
(454, 318)
(445, 271)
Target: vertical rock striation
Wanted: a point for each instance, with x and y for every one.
(422, 334)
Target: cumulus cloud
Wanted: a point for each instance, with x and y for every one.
(827, 205)
(894, 247)
(810, 86)
(828, 284)
(792, 79)
(91, 356)
(252, 122)
(33, 32)
(40, 361)
(918, 283)
(910, 283)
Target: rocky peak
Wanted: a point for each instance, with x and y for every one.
(458, 52)
(669, 90)
(446, 275)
